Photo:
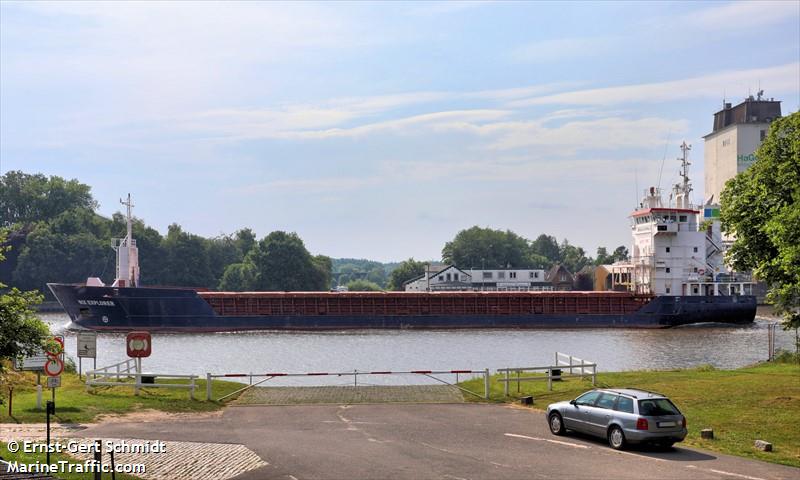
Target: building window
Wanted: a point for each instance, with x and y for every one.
(667, 269)
(763, 135)
(682, 218)
(667, 249)
(441, 278)
(531, 274)
(563, 277)
(487, 275)
(694, 290)
(695, 249)
(501, 275)
(512, 274)
(667, 290)
(448, 277)
(726, 142)
(695, 269)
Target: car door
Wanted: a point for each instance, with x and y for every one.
(599, 415)
(575, 414)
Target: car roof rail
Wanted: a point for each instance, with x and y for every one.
(646, 391)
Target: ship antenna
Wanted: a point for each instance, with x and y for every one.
(663, 158)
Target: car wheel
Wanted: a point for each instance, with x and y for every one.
(616, 438)
(556, 423)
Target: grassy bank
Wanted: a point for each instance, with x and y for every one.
(758, 402)
(75, 405)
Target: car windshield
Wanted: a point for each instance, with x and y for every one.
(659, 406)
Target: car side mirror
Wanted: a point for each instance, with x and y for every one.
(573, 402)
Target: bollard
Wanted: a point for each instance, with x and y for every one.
(505, 386)
(98, 459)
(208, 387)
(486, 384)
(707, 433)
(38, 397)
(526, 400)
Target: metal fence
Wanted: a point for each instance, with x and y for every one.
(561, 362)
(120, 374)
(355, 374)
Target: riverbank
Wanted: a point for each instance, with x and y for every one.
(75, 405)
(759, 402)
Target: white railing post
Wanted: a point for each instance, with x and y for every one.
(550, 379)
(594, 375)
(208, 387)
(191, 387)
(570, 364)
(486, 384)
(505, 384)
(118, 372)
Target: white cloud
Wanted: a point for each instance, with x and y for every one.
(779, 79)
(736, 15)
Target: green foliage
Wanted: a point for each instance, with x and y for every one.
(282, 263)
(363, 286)
(603, 257)
(406, 271)
(346, 270)
(760, 207)
(572, 257)
(186, 262)
(238, 277)
(486, 248)
(546, 247)
(21, 332)
(28, 198)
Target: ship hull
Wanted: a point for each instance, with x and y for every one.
(186, 310)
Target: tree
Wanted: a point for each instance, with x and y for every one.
(186, 260)
(603, 258)
(26, 198)
(486, 248)
(620, 254)
(363, 286)
(572, 257)
(760, 207)
(406, 271)
(547, 247)
(282, 263)
(238, 277)
(21, 332)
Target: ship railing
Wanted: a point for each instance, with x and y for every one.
(432, 374)
(550, 372)
(120, 375)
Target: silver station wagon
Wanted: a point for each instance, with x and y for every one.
(621, 415)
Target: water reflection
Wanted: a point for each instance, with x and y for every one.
(612, 349)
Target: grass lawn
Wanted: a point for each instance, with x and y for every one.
(75, 405)
(31, 458)
(743, 405)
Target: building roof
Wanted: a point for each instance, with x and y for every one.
(751, 110)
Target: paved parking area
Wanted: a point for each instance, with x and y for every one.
(444, 441)
(350, 395)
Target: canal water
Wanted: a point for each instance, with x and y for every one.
(376, 350)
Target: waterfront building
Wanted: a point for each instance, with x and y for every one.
(452, 278)
(730, 147)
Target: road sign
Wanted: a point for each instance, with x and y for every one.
(53, 382)
(87, 344)
(55, 347)
(53, 367)
(32, 363)
(139, 344)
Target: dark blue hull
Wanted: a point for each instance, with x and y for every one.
(174, 309)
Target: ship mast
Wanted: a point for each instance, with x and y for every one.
(127, 253)
(684, 189)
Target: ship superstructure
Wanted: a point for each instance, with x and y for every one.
(677, 250)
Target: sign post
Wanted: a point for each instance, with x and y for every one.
(87, 347)
(138, 345)
(53, 368)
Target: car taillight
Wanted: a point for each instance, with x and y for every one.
(683, 422)
(641, 424)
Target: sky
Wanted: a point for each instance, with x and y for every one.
(380, 130)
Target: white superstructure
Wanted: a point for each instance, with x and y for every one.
(673, 252)
(127, 253)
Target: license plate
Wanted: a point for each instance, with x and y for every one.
(666, 424)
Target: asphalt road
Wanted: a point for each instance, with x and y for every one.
(466, 441)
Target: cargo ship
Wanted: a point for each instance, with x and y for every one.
(676, 276)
